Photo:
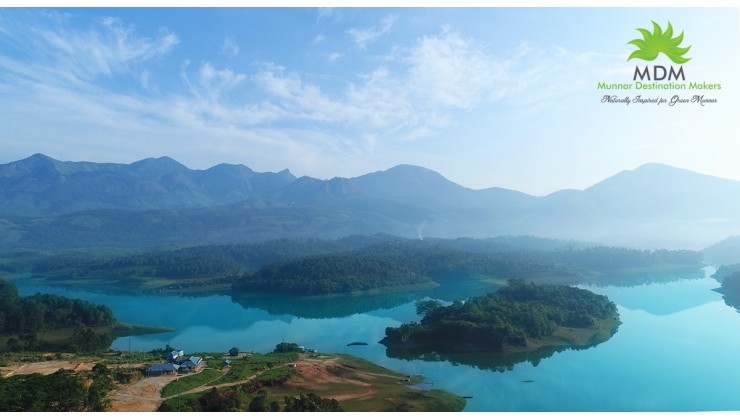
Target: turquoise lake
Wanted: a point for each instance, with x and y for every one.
(676, 351)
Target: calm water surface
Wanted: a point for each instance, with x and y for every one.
(676, 350)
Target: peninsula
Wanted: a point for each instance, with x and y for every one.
(518, 317)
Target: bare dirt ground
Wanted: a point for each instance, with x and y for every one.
(319, 374)
(141, 396)
(44, 368)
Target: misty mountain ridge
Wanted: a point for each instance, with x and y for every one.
(159, 200)
(42, 186)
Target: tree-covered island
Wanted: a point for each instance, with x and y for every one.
(47, 322)
(518, 317)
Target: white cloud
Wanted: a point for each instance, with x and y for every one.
(329, 13)
(412, 93)
(362, 37)
(54, 50)
(319, 39)
(451, 71)
(230, 47)
(215, 82)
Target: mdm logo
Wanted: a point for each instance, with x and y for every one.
(664, 79)
(654, 43)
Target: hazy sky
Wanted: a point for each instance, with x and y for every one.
(487, 97)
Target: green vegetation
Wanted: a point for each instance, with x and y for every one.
(354, 264)
(250, 382)
(281, 386)
(331, 274)
(45, 322)
(254, 364)
(62, 391)
(287, 348)
(311, 402)
(50, 322)
(512, 318)
(188, 382)
(190, 268)
(43, 311)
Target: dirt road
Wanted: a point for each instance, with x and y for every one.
(141, 396)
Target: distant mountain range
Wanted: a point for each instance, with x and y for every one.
(46, 203)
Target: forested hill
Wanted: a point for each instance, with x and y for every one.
(509, 319)
(403, 263)
(24, 317)
(350, 264)
(400, 263)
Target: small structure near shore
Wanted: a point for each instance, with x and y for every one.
(162, 369)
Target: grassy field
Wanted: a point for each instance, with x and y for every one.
(190, 381)
(252, 364)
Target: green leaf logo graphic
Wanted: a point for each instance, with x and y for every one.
(657, 42)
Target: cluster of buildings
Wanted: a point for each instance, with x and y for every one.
(176, 362)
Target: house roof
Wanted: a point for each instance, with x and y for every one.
(163, 367)
(191, 361)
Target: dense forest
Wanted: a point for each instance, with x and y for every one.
(393, 264)
(330, 274)
(231, 399)
(509, 317)
(350, 264)
(22, 318)
(61, 391)
(408, 263)
(178, 263)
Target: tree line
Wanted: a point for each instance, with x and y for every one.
(510, 316)
(23, 317)
(355, 263)
(61, 391)
(408, 263)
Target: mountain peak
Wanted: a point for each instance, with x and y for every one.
(36, 157)
(37, 160)
(160, 166)
(163, 161)
(406, 181)
(416, 171)
(32, 164)
(657, 176)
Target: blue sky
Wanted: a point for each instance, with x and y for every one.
(488, 97)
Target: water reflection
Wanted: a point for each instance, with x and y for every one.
(685, 293)
(322, 307)
(493, 361)
(644, 279)
(732, 302)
